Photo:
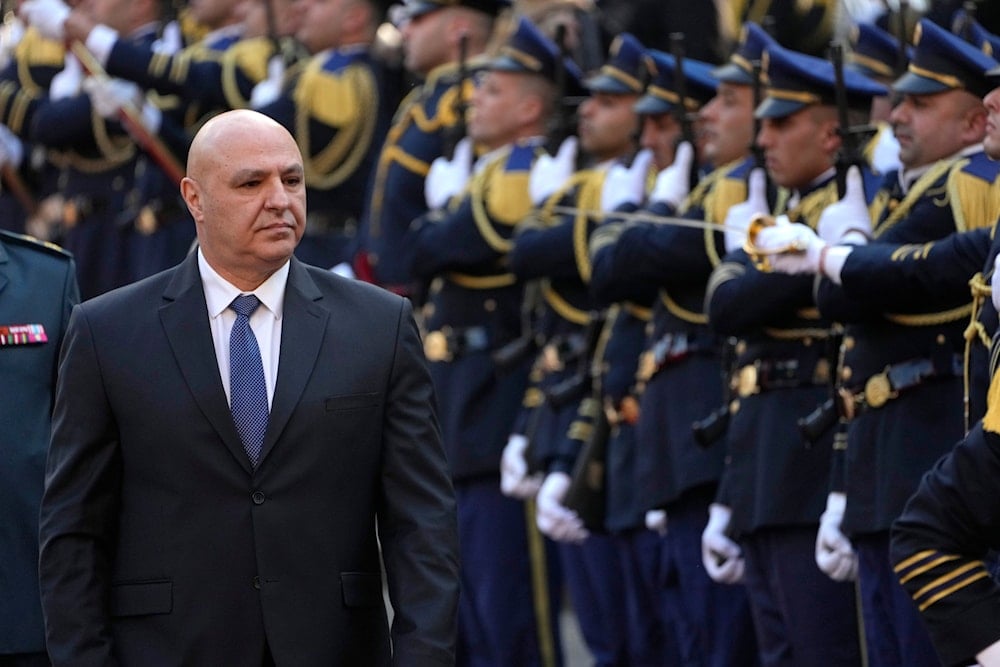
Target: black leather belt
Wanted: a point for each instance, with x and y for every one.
(447, 342)
(767, 374)
(669, 349)
(883, 387)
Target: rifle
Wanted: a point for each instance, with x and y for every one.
(455, 133)
(587, 493)
(564, 123)
(850, 153)
(902, 60)
(680, 109)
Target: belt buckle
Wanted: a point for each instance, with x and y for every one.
(878, 390)
(746, 380)
(436, 346)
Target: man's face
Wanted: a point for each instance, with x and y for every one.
(727, 124)
(932, 127)
(497, 110)
(608, 125)
(323, 23)
(213, 13)
(992, 141)
(799, 147)
(425, 46)
(660, 134)
(249, 201)
(287, 17)
(112, 13)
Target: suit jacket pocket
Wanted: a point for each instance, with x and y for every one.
(352, 402)
(142, 598)
(361, 589)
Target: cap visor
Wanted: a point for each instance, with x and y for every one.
(914, 84)
(775, 108)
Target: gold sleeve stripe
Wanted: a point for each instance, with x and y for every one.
(929, 565)
(915, 558)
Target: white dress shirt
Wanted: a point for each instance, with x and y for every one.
(265, 321)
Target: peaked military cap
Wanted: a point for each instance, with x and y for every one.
(529, 51)
(981, 38)
(624, 72)
(739, 69)
(414, 8)
(943, 61)
(874, 52)
(661, 93)
(796, 81)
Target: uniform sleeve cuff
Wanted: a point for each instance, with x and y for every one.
(100, 41)
(833, 261)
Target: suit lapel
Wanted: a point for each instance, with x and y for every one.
(184, 316)
(302, 330)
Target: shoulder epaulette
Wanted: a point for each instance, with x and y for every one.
(521, 157)
(36, 50)
(980, 166)
(34, 243)
(974, 197)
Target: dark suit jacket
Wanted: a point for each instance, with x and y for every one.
(37, 286)
(160, 544)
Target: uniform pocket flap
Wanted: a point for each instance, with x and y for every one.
(352, 402)
(141, 598)
(361, 589)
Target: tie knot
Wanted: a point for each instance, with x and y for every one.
(245, 304)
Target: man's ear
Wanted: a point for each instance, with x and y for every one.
(191, 192)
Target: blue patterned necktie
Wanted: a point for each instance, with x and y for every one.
(247, 389)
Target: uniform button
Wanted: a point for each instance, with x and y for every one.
(490, 305)
(257, 497)
(941, 340)
(256, 583)
(807, 341)
(845, 373)
(848, 342)
(741, 347)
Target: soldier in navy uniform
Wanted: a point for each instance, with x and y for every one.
(774, 483)
(426, 126)
(679, 375)
(37, 291)
(474, 309)
(900, 380)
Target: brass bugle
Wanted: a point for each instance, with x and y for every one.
(759, 256)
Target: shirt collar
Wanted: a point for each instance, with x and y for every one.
(219, 292)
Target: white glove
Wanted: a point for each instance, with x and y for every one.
(515, 482)
(792, 249)
(885, 157)
(109, 96)
(269, 89)
(48, 17)
(656, 521)
(722, 558)
(989, 656)
(11, 148)
(171, 40)
(673, 184)
(549, 173)
(67, 82)
(447, 178)
(847, 220)
(738, 216)
(834, 554)
(626, 185)
(554, 519)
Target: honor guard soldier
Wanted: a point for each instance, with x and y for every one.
(37, 291)
(506, 612)
(551, 249)
(900, 380)
(680, 368)
(775, 483)
(443, 43)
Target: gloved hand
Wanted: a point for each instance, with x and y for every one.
(796, 248)
(722, 558)
(673, 184)
(67, 82)
(626, 185)
(108, 96)
(269, 89)
(11, 148)
(834, 554)
(549, 173)
(554, 519)
(885, 157)
(847, 221)
(48, 17)
(738, 216)
(656, 521)
(170, 41)
(989, 656)
(447, 178)
(515, 482)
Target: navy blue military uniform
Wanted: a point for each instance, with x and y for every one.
(37, 291)
(901, 362)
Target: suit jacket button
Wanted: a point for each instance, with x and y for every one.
(256, 583)
(257, 497)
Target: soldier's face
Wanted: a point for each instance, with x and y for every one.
(727, 124)
(933, 127)
(799, 147)
(992, 141)
(325, 22)
(660, 134)
(608, 125)
(424, 45)
(501, 106)
(213, 14)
